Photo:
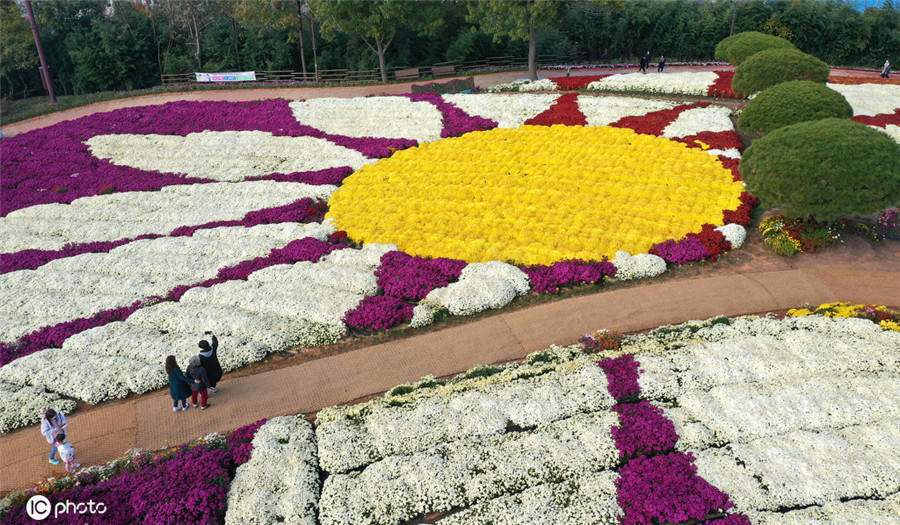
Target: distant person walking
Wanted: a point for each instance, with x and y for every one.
(52, 424)
(199, 382)
(179, 385)
(662, 64)
(645, 61)
(886, 70)
(209, 358)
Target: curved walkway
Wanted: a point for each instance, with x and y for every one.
(147, 422)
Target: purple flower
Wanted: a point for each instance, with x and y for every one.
(54, 164)
(456, 122)
(189, 485)
(681, 252)
(379, 312)
(643, 429)
(406, 277)
(622, 373)
(549, 279)
(666, 488)
(53, 336)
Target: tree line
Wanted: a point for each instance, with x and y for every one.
(101, 45)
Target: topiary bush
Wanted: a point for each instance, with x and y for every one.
(774, 66)
(738, 48)
(824, 169)
(792, 102)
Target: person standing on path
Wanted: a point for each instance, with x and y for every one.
(645, 61)
(662, 64)
(209, 358)
(199, 382)
(179, 386)
(886, 70)
(52, 424)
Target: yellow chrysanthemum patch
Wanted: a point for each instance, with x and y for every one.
(881, 314)
(535, 195)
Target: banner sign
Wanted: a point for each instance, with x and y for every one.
(226, 77)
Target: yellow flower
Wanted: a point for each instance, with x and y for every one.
(535, 195)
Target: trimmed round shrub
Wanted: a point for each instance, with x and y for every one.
(738, 48)
(792, 102)
(774, 66)
(826, 169)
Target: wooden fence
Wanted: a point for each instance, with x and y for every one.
(396, 74)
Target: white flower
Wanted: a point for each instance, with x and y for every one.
(23, 406)
(224, 155)
(462, 473)
(544, 84)
(509, 111)
(591, 499)
(638, 266)
(82, 285)
(870, 99)
(481, 286)
(685, 83)
(892, 130)
(280, 482)
(423, 315)
(349, 438)
(130, 214)
(393, 117)
(697, 120)
(734, 233)
(604, 110)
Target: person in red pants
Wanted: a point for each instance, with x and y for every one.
(199, 381)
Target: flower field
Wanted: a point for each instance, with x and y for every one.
(702, 83)
(875, 102)
(748, 419)
(291, 223)
(745, 416)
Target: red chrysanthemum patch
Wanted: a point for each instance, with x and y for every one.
(731, 164)
(714, 241)
(714, 139)
(721, 87)
(742, 214)
(881, 120)
(564, 111)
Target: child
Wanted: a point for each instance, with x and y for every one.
(66, 453)
(179, 386)
(199, 382)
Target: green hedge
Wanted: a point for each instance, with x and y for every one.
(792, 102)
(826, 169)
(738, 48)
(774, 66)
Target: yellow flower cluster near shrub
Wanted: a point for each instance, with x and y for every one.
(535, 195)
(887, 318)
